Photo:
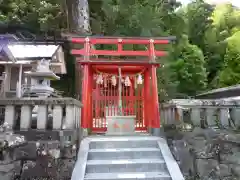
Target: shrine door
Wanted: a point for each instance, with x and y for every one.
(108, 99)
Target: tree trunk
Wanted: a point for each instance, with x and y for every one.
(79, 24)
(78, 16)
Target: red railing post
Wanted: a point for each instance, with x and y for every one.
(155, 119)
(86, 86)
(147, 99)
(155, 105)
(84, 114)
(152, 50)
(87, 49)
(119, 46)
(90, 94)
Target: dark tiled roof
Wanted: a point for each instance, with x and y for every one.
(5, 39)
(225, 92)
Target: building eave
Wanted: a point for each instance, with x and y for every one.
(225, 92)
(53, 52)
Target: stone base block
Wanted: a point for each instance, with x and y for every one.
(120, 125)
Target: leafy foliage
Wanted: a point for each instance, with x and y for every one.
(230, 74)
(205, 56)
(190, 69)
(39, 15)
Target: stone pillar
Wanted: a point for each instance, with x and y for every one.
(26, 117)
(173, 115)
(57, 116)
(223, 117)
(170, 116)
(78, 117)
(42, 117)
(10, 115)
(69, 121)
(211, 120)
(164, 115)
(195, 116)
(235, 115)
(179, 114)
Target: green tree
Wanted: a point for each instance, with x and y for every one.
(226, 25)
(138, 18)
(230, 75)
(198, 18)
(189, 68)
(38, 15)
(207, 36)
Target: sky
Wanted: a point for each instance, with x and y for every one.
(234, 2)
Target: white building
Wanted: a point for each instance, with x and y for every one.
(18, 57)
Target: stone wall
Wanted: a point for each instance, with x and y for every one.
(204, 137)
(206, 154)
(51, 131)
(46, 155)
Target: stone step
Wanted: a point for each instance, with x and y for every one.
(125, 157)
(123, 144)
(126, 165)
(124, 153)
(128, 176)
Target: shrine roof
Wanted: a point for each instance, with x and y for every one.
(25, 52)
(32, 52)
(14, 49)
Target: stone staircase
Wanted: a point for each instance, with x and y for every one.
(125, 157)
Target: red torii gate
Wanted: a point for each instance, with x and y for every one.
(143, 104)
